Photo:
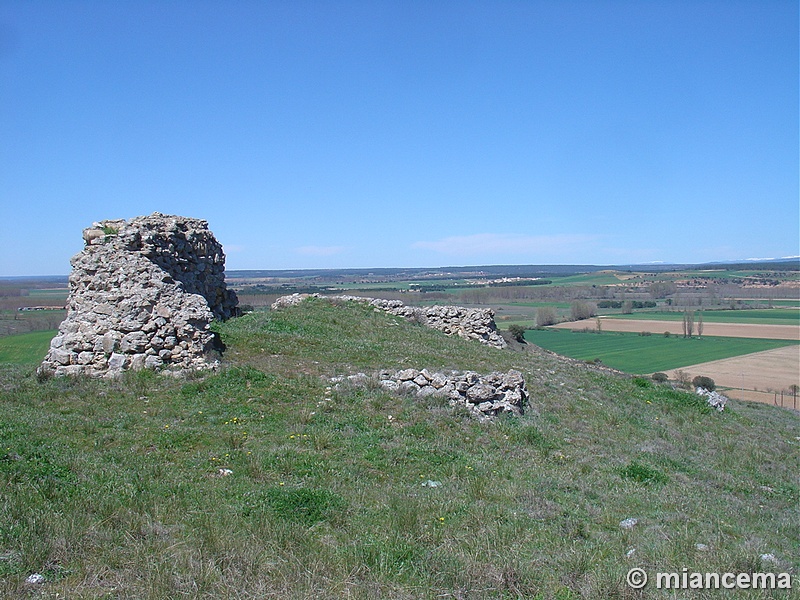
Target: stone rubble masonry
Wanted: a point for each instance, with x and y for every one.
(714, 399)
(142, 294)
(470, 323)
(485, 396)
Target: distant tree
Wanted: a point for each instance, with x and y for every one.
(517, 332)
(546, 315)
(700, 324)
(662, 289)
(599, 325)
(701, 381)
(627, 307)
(609, 304)
(682, 377)
(642, 304)
(580, 309)
(660, 377)
(688, 323)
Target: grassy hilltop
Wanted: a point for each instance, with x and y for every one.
(263, 481)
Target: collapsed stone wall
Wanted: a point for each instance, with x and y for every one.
(485, 396)
(470, 323)
(142, 294)
(714, 399)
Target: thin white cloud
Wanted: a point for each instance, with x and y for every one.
(506, 243)
(232, 248)
(319, 250)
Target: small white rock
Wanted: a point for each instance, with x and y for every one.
(431, 483)
(35, 579)
(768, 558)
(630, 552)
(628, 523)
(702, 547)
(225, 472)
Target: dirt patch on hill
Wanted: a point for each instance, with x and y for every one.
(744, 330)
(756, 376)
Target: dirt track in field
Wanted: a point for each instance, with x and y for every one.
(744, 330)
(750, 376)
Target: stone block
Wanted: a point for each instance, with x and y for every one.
(60, 357)
(480, 392)
(407, 374)
(117, 361)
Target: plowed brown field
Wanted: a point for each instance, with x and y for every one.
(754, 376)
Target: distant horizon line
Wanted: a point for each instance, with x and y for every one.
(662, 264)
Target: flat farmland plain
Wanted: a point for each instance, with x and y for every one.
(635, 353)
(25, 348)
(739, 330)
(754, 376)
(766, 316)
(749, 376)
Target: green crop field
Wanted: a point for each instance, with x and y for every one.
(49, 293)
(634, 353)
(535, 304)
(597, 278)
(792, 303)
(766, 316)
(26, 348)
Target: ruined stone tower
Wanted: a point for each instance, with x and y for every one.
(142, 294)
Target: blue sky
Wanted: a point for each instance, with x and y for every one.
(404, 134)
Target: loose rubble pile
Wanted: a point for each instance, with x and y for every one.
(143, 294)
(714, 399)
(470, 323)
(485, 396)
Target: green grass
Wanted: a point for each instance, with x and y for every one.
(634, 353)
(310, 340)
(26, 348)
(114, 489)
(643, 473)
(766, 316)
